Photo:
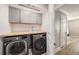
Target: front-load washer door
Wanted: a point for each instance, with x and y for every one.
(17, 48)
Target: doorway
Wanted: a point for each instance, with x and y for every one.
(60, 30)
(68, 42)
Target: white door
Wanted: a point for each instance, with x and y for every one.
(57, 29)
(63, 30)
(60, 30)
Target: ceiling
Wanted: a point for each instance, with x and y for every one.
(72, 10)
(38, 8)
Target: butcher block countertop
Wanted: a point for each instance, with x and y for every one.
(19, 33)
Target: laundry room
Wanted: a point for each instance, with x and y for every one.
(39, 29)
(24, 29)
(32, 29)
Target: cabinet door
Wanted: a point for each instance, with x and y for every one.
(33, 17)
(39, 18)
(36, 18)
(14, 14)
(25, 16)
(30, 17)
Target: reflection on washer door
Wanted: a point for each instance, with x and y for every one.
(16, 48)
(39, 44)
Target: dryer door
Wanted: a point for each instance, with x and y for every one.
(40, 44)
(17, 48)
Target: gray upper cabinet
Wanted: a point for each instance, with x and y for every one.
(24, 16)
(33, 17)
(39, 18)
(30, 17)
(14, 15)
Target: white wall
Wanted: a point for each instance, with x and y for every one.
(25, 27)
(4, 20)
(74, 27)
(48, 26)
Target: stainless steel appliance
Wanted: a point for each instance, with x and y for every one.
(16, 45)
(39, 44)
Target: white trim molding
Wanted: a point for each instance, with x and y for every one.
(73, 18)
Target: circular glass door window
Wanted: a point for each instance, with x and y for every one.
(40, 44)
(16, 48)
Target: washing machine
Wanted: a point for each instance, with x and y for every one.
(39, 43)
(16, 45)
